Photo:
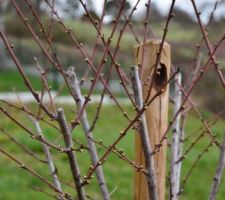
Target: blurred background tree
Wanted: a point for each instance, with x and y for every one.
(112, 7)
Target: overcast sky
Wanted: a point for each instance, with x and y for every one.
(164, 5)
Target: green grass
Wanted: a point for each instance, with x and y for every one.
(119, 175)
(10, 79)
(115, 169)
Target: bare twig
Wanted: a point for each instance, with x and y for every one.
(26, 149)
(46, 193)
(124, 132)
(24, 76)
(208, 45)
(75, 88)
(144, 136)
(34, 173)
(176, 142)
(219, 173)
(51, 165)
(71, 156)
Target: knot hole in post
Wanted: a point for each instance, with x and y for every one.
(160, 76)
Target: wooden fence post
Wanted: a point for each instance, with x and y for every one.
(156, 115)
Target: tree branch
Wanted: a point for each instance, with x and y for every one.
(144, 136)
(75, 88)
(71, 156)
(219, 173)
(176, 142)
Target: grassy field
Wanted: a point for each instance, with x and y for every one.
(10, 79)
(119, 174)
